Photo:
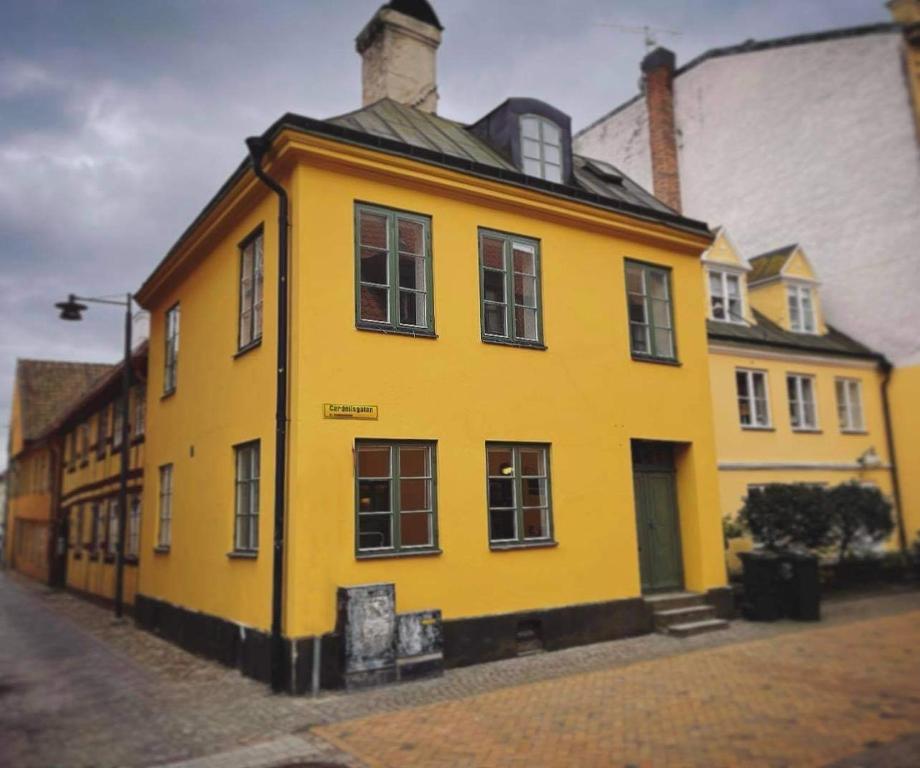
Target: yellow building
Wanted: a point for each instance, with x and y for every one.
(89, 432)
(495, 362)
(41, 389)
(795, 401)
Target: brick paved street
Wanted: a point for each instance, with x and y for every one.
(78, 690)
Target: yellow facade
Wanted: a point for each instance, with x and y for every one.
(583, 395)
(904, 394)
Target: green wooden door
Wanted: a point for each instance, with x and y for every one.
(660, 564)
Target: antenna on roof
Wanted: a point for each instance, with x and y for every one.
(651, 34)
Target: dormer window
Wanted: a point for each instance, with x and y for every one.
(801, 309)
(541, 148)
(725, 302)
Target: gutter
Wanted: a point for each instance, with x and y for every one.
(258, 147)
(887, 368)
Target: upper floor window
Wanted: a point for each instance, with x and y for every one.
(725, 301)
(510, 289)
(753, 405)
(541, 148)
(118, 422)
(801, 309)
(251, 290)
(802, 410)
(102, 431)
(648, 295)
(83, 432)
(140, 411)
(171, 360)
(393, 271)
(132, 540)
(849, 405)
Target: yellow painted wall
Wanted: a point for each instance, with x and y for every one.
(584, 395)
(904, 398)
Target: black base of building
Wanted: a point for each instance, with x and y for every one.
(466, 641)
(100, 600)
(722, 599)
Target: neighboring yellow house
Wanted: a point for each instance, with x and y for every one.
(497, 380)
(795, 401)
(89, 433)
(42, 388)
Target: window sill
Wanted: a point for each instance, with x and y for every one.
(248, 348)
(513, 343)
(658, 360)
(242, 555)
(752, 428)
(390, 331)
(403, 553)
(807, 431)
(168, 394)
(161, 550)
(854, 431)
(524, 545)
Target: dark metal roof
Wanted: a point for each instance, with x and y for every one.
(767, 333)
(417, 9)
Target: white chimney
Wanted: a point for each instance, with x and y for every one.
(398, 48)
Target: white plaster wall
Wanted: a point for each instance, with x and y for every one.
(813, 144)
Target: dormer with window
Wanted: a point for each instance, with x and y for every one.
(534, 136)
(783, 287)
(726, 286)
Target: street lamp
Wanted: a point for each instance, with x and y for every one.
(73, 309)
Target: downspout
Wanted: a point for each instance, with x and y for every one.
(889, 437)
(258, 146)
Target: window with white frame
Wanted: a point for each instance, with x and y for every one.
(753, 403)
(725, 302)
(164, 527)
(802, 410)
(801, 309)
(171, 359)
(541, 148)
(132, 542)
(246, 519)
(251, 290)
(140, 410)
(100, 527)
(849, 405)
(113, 527)
(118, 421)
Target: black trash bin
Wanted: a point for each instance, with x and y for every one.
(801, 587)
(762, 586)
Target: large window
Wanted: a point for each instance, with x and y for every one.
(395, 504)
(648, 294)
(801, 309)
(541, 148)
(519, 500)
(753, 404)
(394, 271)
(164, 527)
(849, 405)
(802, 410)
(510, 289)
(140, 410)
(725, 302)
(113, 527)
(132, 541)
(171, 359)
(246, 518)
(118, 423)
(251, 290)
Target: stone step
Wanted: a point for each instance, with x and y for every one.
(667, 618)
(697, 627)
(671, 600)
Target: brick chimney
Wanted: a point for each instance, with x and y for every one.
(658, 80)
(398, 48)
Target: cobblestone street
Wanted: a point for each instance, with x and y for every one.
(77, 689)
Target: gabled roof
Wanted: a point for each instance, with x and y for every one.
(771, 263)
(769, 334)
(46, 387)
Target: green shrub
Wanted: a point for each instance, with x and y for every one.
(782, 516)
(859, 516)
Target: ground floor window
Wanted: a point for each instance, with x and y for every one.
(132, 544)
(164, 527)
(518, 493)
(246, 527)
(113, 527)
(395, 496)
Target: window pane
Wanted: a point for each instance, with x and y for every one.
(525, 323)
(551, 154)
(760, 385)
(741, 381)
(664, 343)
(550, 133)
(501, 524)
(533, 492)
(634, 282)
(639, 338)
(374, 266)
(413, 495)
(415, 529)
(530, 128)
(413, 462)
(532, 168)
(494, 316)
(524, 261)
(241, 535)
(413, 308)
(374, 462)
(411, 236)
(493, 253)
(734, 287)
(374, 230)
(552, 172)
(374, 495)
(661, 313)
(375, 304)
(493, 285)
(525, 290)
(374, 532)
(500, 462)
(657, 283)
(535, 526)
(501, 492)
(532, 462)
(636, 306)
(412, 272)
(715, 283)
(530, 148)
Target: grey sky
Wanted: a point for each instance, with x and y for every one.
(119, 120)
